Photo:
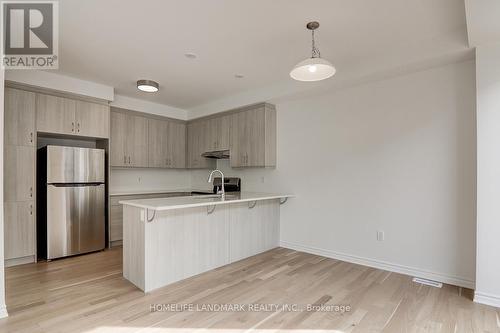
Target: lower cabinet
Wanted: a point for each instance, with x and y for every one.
(19, 230)
(183, 242)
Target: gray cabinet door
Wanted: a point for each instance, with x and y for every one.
(118, 140)
(19, 229)
(19, 169)
(137, 141)
(218, 133)
(243, 125)
(55, 114)
(224, 132)
(158, 143)
(92, 119)
(253, 137)
(19, 117)
(176, 145)
(197, 143)
(129, 140)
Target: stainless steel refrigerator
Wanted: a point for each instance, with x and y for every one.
(71, 201)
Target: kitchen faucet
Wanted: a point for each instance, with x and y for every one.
(221, 191)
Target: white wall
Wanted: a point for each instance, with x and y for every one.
(488, 175)
(3, 308)
(396, 155)
(60, 82)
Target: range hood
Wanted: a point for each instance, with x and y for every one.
(217, 154)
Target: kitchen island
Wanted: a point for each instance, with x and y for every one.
(169, 239)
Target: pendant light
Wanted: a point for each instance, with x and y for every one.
(314, 68)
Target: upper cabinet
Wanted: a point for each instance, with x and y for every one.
(248, 133)
(92, 119)
(129, 140)
(253, 137)
(55, 114)
(198, 138)
(219, 133)
(141, 140)
(176, 152)
(167, 144)
(19, 117)
(61, 115)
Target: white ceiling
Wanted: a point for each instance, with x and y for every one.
(116, 42)
(483, 21)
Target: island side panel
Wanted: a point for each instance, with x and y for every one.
(133, 246)
(253, 230)
(181, 243)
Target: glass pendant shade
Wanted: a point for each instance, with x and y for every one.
(313, 69)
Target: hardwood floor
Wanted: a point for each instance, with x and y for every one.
(88, 294)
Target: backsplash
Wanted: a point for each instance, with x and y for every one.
(146, 179)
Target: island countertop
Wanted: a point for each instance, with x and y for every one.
(160, 204)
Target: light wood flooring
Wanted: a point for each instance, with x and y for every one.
(88, 294)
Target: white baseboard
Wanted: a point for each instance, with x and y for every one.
(3, 311)
(487, 299)
(387, 266)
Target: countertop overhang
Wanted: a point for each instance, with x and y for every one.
(160, 204)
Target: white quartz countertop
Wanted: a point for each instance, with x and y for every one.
(199, 201)
(157, 191)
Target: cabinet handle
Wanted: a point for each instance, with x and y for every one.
(31, 209)
(72, 126)
(31, 137)
(78, 127)
(129, 160)
(31, 191)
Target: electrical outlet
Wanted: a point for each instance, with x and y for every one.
(138, 179)
(380, 236)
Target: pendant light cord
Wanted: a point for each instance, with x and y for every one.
(315, 50)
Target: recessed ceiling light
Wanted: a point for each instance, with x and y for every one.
(239, 76)
(148, 86)
(190, 55)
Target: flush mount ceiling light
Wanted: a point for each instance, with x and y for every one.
(148, 85)
(314, 68)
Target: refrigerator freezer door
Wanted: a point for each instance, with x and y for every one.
(75, 165)
(75, 219)
(91, 218)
